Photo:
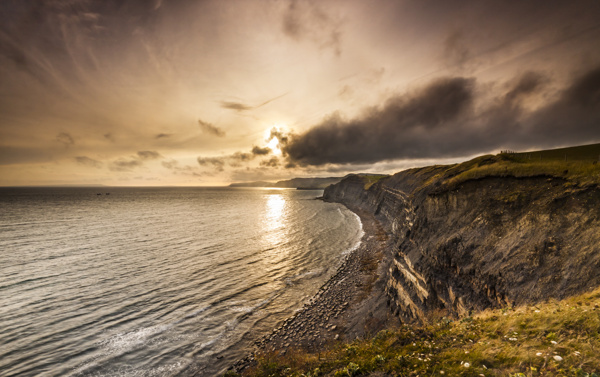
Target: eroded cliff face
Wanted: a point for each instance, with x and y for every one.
(484, 243)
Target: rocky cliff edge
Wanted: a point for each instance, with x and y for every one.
(491, 232)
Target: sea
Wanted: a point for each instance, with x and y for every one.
(117, 281)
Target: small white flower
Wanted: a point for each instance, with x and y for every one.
(557, 358)
(483, 365)
(538, 354)
(466, 365)
(466, 351)
(577, 353)
(537, 311)
(442, 372)
(553, 342)
(512, 339)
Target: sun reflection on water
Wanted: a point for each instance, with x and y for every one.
(275, 207)
(274, 219)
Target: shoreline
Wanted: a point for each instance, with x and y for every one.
(349, 305)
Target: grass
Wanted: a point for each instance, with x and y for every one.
(371, 179)
(577, 166)
(556, 338)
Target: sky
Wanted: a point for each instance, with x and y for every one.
(176, 92)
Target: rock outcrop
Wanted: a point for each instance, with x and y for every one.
(488, 242)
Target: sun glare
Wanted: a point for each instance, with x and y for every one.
(274, 145)
(273, 141)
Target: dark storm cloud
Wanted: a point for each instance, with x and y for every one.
(149, 155)
(261, 151)
(382, 133)
(90, 162)
(209, 128)
(448, 119)
(65, 139)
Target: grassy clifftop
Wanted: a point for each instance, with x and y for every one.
(556, 338)
(578, 166)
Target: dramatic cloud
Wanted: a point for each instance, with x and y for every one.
(149, 155)
(86, 161)
(388, 132)
(447, 119)
(209, 128)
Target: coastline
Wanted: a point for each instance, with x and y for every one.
(351, 304)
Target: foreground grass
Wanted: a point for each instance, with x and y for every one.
(550, 339)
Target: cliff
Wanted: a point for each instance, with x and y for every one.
(492, 232)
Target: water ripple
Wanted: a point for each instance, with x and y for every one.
(156, 281)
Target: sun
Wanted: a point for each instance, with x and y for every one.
(272, 140)
(273, 144)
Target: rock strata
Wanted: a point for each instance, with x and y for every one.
(484, 243)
